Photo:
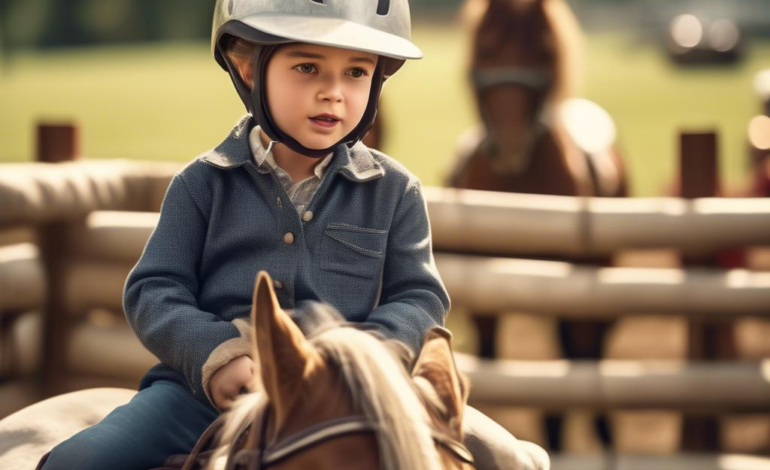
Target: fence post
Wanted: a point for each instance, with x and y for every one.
(55, 144)
(759, 155)
(698, 166)
(699, 177)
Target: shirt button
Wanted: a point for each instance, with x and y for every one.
(307, 216)
(288, 238)
(278, 284)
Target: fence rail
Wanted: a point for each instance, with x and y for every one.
(557, 385)
(462, 220)
(570, 290)
(493, 222)
(663, 462)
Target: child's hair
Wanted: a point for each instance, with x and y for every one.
(238, 47)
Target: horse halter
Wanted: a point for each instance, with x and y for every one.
(530, 78)
(264, 456)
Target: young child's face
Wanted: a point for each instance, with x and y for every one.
(305, 81)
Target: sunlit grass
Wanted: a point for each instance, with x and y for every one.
(172, 102)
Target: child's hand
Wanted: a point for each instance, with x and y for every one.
(228, 382)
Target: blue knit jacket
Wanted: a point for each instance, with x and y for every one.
(363, 245)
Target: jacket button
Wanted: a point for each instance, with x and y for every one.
(278, 284)
(288, 238)
(307, 216)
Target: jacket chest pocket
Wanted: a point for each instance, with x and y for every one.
(357, 251)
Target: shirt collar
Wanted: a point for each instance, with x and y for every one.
(265, 160)
(355, 163)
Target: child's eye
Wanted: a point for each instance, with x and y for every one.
(357, 72)
(306, 68)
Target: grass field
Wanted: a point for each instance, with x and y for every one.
(172, 102)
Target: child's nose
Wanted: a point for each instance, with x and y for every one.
(331, 89)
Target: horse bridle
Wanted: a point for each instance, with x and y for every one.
(264, 456)
(532, 78)
(529, 77)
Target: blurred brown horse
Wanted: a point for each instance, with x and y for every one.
(533, 139)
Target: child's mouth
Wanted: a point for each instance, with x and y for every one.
(325, 121)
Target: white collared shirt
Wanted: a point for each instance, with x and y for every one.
(299, 193)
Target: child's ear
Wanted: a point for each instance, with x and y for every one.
(243, 65)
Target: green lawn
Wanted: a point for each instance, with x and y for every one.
(173, 102)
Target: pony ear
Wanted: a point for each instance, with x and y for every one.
(283, 351)
(436, 365)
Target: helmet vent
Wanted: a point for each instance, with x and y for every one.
(383, 7)
(230, 7)
(322, 2)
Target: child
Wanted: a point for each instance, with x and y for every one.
(291, 191)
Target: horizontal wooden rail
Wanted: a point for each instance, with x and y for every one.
(22, 278)
(492, 222)
(41, 193)
(94, 350)
(557, 385)
(113, 235)
(93, 284)
(663, 462)
(569, 290)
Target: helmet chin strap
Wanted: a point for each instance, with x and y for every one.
(256, 103)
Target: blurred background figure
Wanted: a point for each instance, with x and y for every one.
(535, 137)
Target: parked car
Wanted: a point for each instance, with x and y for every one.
(695, 40)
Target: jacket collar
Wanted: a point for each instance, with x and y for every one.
(356, 163)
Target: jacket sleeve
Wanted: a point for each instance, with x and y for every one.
(413, 298)
(161, 292)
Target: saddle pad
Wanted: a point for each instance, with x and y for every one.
(30, 433)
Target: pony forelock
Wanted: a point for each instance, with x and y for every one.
(373, 370)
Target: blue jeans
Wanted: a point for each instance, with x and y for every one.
(159, 421)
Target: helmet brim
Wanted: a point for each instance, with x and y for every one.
(334, 32)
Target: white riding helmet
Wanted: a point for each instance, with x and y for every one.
(381, 27)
